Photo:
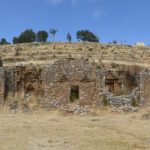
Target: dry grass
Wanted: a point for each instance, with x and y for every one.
(44, 52)
(20, 102)
(54, 131)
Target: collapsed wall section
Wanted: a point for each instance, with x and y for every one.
(120, 82)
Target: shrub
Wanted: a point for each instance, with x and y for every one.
(42, 36)
(15, 40)
(27, 36)
(3, 41)
(105, 101)
(86, 35)
(134, 102)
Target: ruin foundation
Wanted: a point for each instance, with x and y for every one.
(71, 80)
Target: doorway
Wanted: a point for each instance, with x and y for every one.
(74, 93)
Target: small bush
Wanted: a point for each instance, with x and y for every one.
(134, 102)
(98, 66)
(105, 101)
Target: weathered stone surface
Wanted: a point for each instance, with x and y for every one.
(52, 83)
(2, 85)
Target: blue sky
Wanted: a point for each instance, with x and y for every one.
(121, 20)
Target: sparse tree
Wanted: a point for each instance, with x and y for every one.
(69, 37)
(42, 36)
(27, 36)
(114, 42)
(53, 32)
(15, 40)
(3, 41)
(86, 35)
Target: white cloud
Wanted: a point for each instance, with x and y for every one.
(74, 2)
(55, 2)
(97, 14)
(93, 1)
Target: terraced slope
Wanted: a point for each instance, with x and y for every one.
(40, 53)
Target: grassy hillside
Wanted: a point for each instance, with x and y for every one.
(40, 53)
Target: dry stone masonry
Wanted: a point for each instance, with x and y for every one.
(77, 78)
(70, 80)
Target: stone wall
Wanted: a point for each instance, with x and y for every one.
(60, 76)
(2, 85)
(86, 71)
(144, 87)
(56, 82)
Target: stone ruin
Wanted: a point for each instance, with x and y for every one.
(77, 80)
